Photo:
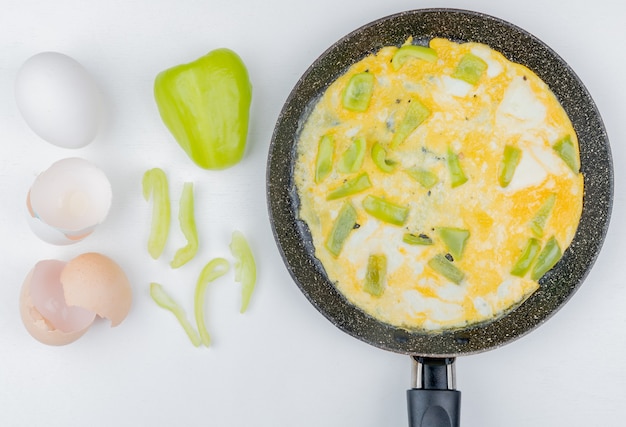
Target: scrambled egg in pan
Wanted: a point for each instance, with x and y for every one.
(439, 183)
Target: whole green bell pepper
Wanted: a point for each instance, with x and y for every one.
(205, 104)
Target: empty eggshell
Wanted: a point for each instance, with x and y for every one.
(68, 200)
(59, 301)
(58, 99)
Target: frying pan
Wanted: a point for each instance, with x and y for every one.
(433, 400)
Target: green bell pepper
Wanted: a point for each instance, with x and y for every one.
(352, 159)
(446, 268)
(470, 69)
(566, 150)
(154, 183)
(205, 104)
(358, 92)
(510, 160)
(324, 158)
(548, 257)
(424, 177)
(245, 267)
(352, 186)
(164, 300)
(541, 217)
(409, 51)
(385, 211)
(527, 257)
(214, 269)
(381, 160)
(187, 222)
(415, 114)
(457, 176)
(343, 226)
(375, 275)
(454, 239)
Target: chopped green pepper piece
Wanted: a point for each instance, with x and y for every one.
(566, 150)
(527, 257)
(155, 183)
(187, 226)
(215, 268)
(549, 256)
(165, 301)
(245, 267)
(375, 275)
(343, 226)
(457, 176)
(409, 51)
(351, 186)
(454, 239)
(380, 159)
(358, 92)
(446, 268)
(541, 217)
(352, 159)
(385, 211)
(324, 159)
(205, 104)
(424, 177)
(414, 116)
(510, 159)
(417, 239)
(470, 69)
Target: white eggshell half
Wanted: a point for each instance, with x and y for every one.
(58, 99)
(73, 196)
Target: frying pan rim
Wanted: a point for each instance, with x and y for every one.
(457, 335)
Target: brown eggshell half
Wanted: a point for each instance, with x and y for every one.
(36, 324)
(97, 283)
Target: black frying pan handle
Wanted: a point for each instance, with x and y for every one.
(433, 400)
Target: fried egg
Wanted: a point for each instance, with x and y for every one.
(439, 187)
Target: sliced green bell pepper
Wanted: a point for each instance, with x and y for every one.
(187, 223)
(354, 185)
(424, 177)
(164, 300)
(548, 257)
(541, 217)
(352, 159)
(566, 150)
(375, 275)
(215, 268)
(155, 184)
(470, 69)
(343, 226)
(457, 176)
(410, 51)
(446, 268)
(414, 116)
(358, 92)
(385, 211)
(527, 257)
(380, 159)
(454, 239)
(245, 267)
(324, 158)
(205, 104)
(510, 159)
(417, 239)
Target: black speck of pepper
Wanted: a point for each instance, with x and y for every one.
(525, 78)
(429, 193)
(356, 225)
(424, 236)
(398, 101)
(449, 257)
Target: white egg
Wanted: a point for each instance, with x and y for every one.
(58, 99)
(68, 200)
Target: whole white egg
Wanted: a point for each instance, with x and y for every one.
(58, 99)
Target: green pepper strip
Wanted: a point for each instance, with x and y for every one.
(549, 256)
(324, 159)
(425, 178)
(417, 239)
(165, 301)
(343, 226)
(409, 51)
(245, 267)
(352, 159)
(510, 160)
(215, 268)
(358, 92)
(155, 183)
(541, 217)
(351, 186)
(470, 69)
(187, 226)
(414, 116)
(527, 257)
(375, 275)
(454, 239)
(446, 268)
(457, 175)
(566, 150)
(380, 159)
(385, 211)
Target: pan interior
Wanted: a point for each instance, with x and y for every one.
(556, 287)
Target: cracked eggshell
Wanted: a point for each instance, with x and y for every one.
(59, 99)
(59, 301)
(68, 200)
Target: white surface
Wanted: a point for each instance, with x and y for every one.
(282, 363)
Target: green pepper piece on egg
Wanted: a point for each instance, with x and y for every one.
(527, 257)
(411, 51)
(454, 239)
(470, 69)
(358, 92)
(541, 217)
(205, 104)
(510, 159)
(415, 115)
(343, 226)
(351, 186)
(385, 210)
(446, 268)
(457, 176)
(324, 159)
(417, 239)
(424, 177)
(375, 275)
(549, 256)
(566, 150)
(380, 159)
(352, 159)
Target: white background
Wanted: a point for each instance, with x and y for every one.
(281, 363)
